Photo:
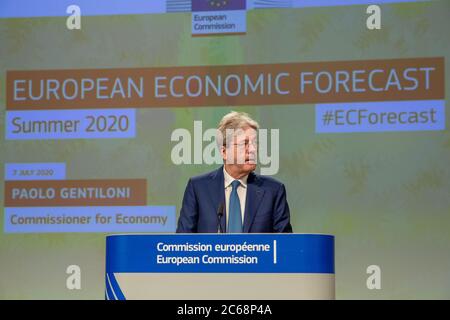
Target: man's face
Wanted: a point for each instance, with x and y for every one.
(241, 150)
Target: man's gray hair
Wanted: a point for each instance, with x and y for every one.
(234, 120)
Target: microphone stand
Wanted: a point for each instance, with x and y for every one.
(219, 217)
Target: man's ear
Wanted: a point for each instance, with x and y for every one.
(223, 152)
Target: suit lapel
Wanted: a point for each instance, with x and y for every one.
(252, 202)
(218, 195)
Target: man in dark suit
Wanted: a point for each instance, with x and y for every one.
(233, 198)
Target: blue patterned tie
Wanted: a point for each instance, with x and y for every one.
(234, 212)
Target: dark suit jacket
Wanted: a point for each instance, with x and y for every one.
(266, 208)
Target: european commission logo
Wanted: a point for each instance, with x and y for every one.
(219, 4)
(219, 17)
(214, 5)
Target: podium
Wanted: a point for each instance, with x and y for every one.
(219, 266)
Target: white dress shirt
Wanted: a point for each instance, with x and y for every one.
(241, 191)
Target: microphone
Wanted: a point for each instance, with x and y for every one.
(219, 216)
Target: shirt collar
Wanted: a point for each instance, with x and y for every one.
(229, 179)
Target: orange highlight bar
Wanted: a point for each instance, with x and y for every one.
(259, 84)
(57, 193)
